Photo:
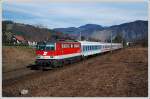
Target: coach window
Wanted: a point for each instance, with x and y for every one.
(83, 48)
(86, 48)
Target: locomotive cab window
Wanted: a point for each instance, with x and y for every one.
(40, 47)
(50, 47)
(46, 47)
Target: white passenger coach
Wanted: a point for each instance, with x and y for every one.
(91, 48)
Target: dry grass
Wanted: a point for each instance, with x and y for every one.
(123, 73)
(16, 57)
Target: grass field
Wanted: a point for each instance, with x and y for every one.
(16, 57)
(121, 74)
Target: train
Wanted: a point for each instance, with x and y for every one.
(58, 53)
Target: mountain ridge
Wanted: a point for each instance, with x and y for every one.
(128, 31)
(131, 31)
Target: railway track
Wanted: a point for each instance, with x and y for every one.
(17, 73)
(32, 69)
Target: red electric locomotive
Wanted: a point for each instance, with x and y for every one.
(57, 53)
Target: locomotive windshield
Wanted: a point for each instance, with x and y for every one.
(46, 47)
(50, 47)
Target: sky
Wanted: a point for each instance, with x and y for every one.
(73, 14)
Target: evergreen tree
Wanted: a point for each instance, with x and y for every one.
(118, 38)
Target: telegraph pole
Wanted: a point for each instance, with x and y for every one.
(80, 37)
(111, 41)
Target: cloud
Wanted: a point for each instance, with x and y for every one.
(74, 14)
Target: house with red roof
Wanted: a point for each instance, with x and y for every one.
(18, 39)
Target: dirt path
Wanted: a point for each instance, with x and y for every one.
(123, 73)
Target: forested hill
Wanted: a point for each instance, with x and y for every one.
(131, 31)
(29, 32)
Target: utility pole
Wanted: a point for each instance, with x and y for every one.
(80, 37)
(111, 41)
(122, 42)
